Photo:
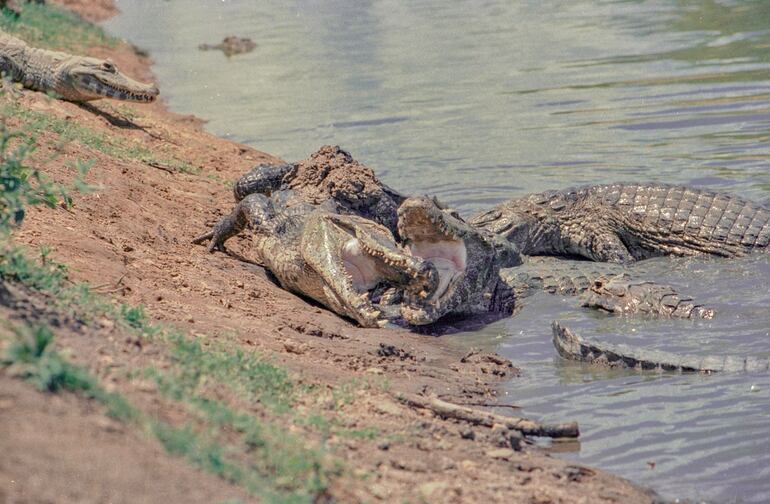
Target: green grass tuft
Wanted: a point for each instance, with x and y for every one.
(260, 456)
(51, 27)
(42, 274)
(35, 123)
(134, 316)
(247, 374)
(30, 356)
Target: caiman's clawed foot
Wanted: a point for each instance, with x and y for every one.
(254, 210)
(217, 237)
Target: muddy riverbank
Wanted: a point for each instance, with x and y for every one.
(159, 180)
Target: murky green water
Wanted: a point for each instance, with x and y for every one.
(483, 100)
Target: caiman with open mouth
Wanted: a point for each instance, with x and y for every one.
(473, 271)
(349, 264)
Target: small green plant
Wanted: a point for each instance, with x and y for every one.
(247, 374)
(134, 316)
(29, 354)
(21, 186)
(240, 446)
(42, 274)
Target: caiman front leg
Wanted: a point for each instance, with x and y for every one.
(262, 179)
(594, 239)
(8, 85)
(254, 210)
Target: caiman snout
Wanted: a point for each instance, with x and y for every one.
(86, 79)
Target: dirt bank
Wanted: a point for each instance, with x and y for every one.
(162, 180)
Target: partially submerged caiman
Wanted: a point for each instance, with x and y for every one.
(70, 77)
(626, 222)
(571, 346)
(623, 223)
(471, 271)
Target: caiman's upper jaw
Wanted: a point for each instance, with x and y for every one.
(91, 79)
(435, 236)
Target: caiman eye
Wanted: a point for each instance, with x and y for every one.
(109, 66)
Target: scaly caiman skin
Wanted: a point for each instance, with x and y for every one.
(467, 260)
(573, 347)
(355, 267)
(627, 222)
(351, 265)
(73, 78)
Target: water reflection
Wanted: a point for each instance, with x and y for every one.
(479, 101)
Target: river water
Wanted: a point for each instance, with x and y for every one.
(480, 101)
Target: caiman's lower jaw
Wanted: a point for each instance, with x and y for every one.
(370, 268)
(93, 86)
(449, 257)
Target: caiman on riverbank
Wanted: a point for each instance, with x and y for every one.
(72, 78)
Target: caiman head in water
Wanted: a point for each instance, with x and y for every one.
(364, 273)
(468, 262)
(83, 79)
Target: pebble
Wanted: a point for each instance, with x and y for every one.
(501, 453)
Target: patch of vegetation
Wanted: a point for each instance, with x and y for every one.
(28, 355)
(235, 444)
(36, 122)
(247, 374)
(21, 186)
(51, 27)
(260, 456)
(43, 275)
